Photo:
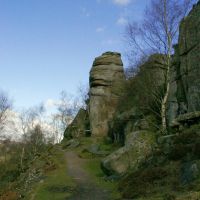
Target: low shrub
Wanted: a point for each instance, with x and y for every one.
(141, 182)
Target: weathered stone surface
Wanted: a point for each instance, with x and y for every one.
(186, 119)
(73, 143)
(106, 82)
(154, 70)
(139, 95)
(185, 73)
(108, 58)
(122, 124)
(127, 122)
(137, 148)
(95, 149)
(188, 116)
(79, 125)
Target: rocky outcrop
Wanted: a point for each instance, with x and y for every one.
(79, 126)
(137, 149)
(187, 119)
(130, 127)
(185, 73)
(106, 83)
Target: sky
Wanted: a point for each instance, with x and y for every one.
(47, 46)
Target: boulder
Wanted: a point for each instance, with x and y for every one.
(186, 119)
(138, 147)
(73, 143)
(106, 83)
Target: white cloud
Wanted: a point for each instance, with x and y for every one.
(110, 42)
(85, 12)
(122, 21)
(53, 103)
(50, 103)
(121, 2)
(12, 126)
(100, 29)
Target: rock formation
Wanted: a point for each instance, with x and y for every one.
(185, 73)
(138, 146)
(106, 82)
(131, 128)
(128, 126)
(79, 125)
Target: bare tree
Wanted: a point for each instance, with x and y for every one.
(83, 95)
(36, 139)
(30, 120)
(67, 109)
(30, 117)
(156, 34)
(5, 107)
(57, 128)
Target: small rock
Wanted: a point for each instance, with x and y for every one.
(190, 172)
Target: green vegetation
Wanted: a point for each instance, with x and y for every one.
(171, 171)
(93, 167)
(145, 88)
(92, 148)
(25, 165)
(92, 163)
(155, 162)
(56, 184)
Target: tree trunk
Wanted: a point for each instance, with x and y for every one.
(168, 61)
(164, 109)
(21, 159)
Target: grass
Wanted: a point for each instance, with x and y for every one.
(151, 183)
(92, 164)
(2, 158)
(103, 147)
(93, 168)
(57, 185)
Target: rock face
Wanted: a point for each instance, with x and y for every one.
(79, 126)
(130, 127)
(106, 82)
(137, 148)
(185, 73)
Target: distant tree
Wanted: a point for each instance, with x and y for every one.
(36, 139)
(5, 148)
(5, 107)
(57, 128)
(67, 109)
(30, 117)
(30, 121)
(134, 67)
(83, 95)
(156, 34)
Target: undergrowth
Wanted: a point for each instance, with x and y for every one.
(172, 173)
(56, 185)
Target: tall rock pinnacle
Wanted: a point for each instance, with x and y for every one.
(106, 82)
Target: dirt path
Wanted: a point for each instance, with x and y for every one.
(86, 189)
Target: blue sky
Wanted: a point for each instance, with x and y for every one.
(49, 45)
